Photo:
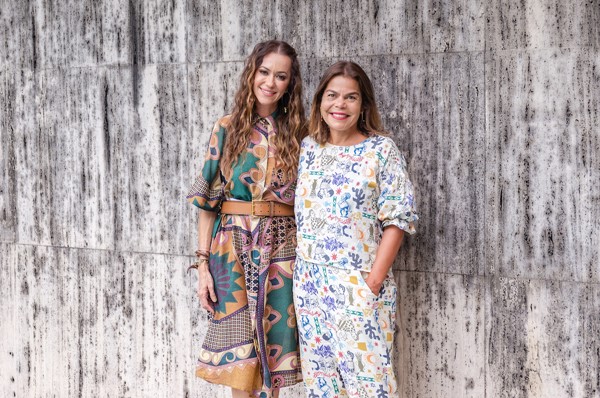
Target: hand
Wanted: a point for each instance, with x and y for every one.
(374, 285)
(206, 289)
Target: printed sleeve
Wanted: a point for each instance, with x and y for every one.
(207, 191)
(396, 201)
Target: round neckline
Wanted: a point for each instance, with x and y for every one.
(327, 144)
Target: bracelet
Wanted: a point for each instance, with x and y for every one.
(193, 266)
(201, 261)
(202, 253)
(197, 264)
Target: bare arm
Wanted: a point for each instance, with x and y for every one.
(390, 244)
(206, 221)
(206, 287)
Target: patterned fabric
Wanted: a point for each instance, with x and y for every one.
(346, 195)
(251, 343)
(346, 332)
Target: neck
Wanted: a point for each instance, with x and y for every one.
(345, 139)
(263, 110)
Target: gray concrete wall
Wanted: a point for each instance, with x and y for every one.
(105, 112)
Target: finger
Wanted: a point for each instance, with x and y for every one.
(376, 290)
(206, 305)
(213, 295)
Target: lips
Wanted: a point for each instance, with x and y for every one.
(339, 116)
(267, 93)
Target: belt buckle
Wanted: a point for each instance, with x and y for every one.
(271, 207)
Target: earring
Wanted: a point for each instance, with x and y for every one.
(362, 115)
(285, 101)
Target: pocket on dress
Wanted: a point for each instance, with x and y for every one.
(362, 276)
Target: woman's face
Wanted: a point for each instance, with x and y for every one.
(341, 105)
(271, 81)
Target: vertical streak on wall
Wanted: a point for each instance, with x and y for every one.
(136, 51)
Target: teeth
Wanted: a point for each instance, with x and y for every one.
(338, 115)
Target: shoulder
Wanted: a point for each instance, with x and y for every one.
(219, 132)
(382, 144)
(223, 123)
(308, 142)
(220, 128)
(386, 149)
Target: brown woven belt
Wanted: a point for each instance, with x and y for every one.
(257, 208)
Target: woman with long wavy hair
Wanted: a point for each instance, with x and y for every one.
(247, 232)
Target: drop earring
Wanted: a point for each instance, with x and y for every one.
(286, 101)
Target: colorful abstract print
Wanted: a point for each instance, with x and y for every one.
(346, 332)
(346, 195)
(251, 343)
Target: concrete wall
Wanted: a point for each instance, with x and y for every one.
(105, 112)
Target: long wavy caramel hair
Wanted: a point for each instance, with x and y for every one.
(290, 123)
(370, 120)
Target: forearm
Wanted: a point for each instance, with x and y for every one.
(206, 290)
(206, 221)
(390, 244)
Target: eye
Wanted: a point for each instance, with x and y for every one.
(330, 95)
(352, 98)
(282, 77)
(263, 72)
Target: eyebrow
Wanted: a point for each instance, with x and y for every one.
(335, 92)
(264, 67)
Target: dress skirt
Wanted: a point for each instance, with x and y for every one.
(251, 343)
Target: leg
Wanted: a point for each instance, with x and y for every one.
(317, 343)
(239, 394)
(244, 394)
(365, 333)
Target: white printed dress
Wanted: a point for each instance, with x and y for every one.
(345, 196)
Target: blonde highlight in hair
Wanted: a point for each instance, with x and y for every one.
(370, 119)
(291, 125)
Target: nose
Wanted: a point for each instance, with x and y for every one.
(270, 80)
(340, 102)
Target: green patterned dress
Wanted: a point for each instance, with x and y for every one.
(252, 342)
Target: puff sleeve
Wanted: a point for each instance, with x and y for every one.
(207, 191)
(396, 201)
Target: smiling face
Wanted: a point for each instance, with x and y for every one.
(271, 81)
(341, 106)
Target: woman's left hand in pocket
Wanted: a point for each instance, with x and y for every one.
(373, 284)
